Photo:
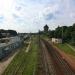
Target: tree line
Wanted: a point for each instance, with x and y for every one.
(67, 33)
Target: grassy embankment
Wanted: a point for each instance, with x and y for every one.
(24, 63)
(64, 47)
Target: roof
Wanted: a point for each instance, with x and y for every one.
(46, 26)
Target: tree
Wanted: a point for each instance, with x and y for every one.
(73, 27)
(67, 33)
(73, 38)
(51, 33)
(58, 32)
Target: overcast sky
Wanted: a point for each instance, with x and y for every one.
(32, 15)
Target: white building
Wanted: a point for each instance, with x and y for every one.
(56, 40)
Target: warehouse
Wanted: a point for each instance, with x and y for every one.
(7, 47)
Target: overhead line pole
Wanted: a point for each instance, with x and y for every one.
(62, 34)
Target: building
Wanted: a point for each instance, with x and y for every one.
(10, 46)
(4, 40)
(46, 28)
(7, 33)
(56, 40)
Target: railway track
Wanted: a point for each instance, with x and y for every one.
(54, 63)
(47, 67)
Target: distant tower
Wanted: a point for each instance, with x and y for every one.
(46, 28)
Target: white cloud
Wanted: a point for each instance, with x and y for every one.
(32, 15)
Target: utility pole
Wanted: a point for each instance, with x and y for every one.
(62, 34)
(39, 36)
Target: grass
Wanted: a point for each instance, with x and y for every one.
(24, 63)
(44, 36)
(73, 46)
(66, 49)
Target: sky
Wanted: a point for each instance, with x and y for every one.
(32, 15)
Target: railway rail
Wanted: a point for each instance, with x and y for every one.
(54, 63)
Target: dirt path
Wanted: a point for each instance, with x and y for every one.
(69, 58)
(62, 61)
(4, 64)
